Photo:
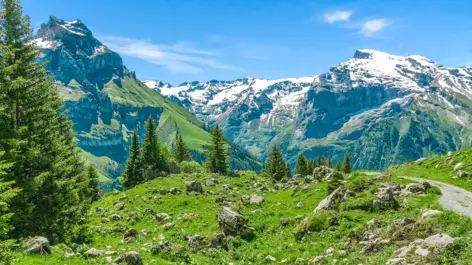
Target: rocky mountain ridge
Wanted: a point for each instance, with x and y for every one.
(336, 111)
(106, 101)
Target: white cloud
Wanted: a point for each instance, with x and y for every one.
(374, 26)
(337, 16)
(178, 57)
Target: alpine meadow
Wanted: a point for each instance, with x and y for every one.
(366, 162)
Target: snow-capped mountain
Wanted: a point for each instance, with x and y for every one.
(346, 109)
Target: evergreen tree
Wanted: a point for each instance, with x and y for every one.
(335, 181)
(346, 164)
(275, 166)
(301, 167)
(153, 159)
(319, 161)
(338, 166)
(217, 156)
(36, 137)
(133, 174)
(7, 193)
(324, 161)
(93, 181)
(180, 151)
(329, 163)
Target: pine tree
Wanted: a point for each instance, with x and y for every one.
(133, 174)
(301, 167)
(180, 151)
(36, 137)
(338, 166)
(7, 193)
(329, 163)
(324, 161)
(93, 181)
(346, 164)
(275, 166)
(153, 160)
(217, 156)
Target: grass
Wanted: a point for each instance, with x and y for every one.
(331, 229)
(439, 168)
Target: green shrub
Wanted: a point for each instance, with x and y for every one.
(190, 167)
(316, 222)
(363, 201)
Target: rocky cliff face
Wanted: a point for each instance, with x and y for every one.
(106, 101)
(382, 108)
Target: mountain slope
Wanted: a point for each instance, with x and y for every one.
(382, 108)
(106, 101)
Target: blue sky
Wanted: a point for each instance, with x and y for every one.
(177, 40)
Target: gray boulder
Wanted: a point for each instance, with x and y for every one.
(130, 258)
(332, 201)
(93, 253)
(256, 200)
(322, 173)
(194, 186)
(231, 222)
(37, 245)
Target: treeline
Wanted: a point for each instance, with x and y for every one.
(277, 168)
(45, 187)
(153, 159)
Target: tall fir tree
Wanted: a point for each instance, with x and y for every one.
(153, 159)
(7, 193)
(329, 163)
(275, 166)
(301, 166)
(338, 166)
(133, 174)
(217, 155)
(93, 182)
(346, 164)
(180, 151)
(36, 137)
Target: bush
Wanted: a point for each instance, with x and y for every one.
(315, 222)
(190, 167)
(363, 201)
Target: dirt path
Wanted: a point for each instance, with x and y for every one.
(453, 198)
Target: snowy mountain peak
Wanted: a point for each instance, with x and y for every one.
(57, 26)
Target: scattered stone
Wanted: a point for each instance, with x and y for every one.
(37, 245)
(322, 173)
(231, 222)
(332, 201)
(420, 161)
(168, 226)
(462, 174)
(458, 166)
(256, 200)
(131, 258)
(211, 182)
(429, 213)
(99, 210)
(318, 260)
(227, 187)
(105, 220)
(119, 206)
(130, 234)
(414, 188)
(174, 191)
(93, 253)
(287, 221)
(163, 217)
(270, 258)
(170, 248)
(194, 186)
(299, 205)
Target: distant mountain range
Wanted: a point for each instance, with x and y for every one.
(383, 109)
(106, 101)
